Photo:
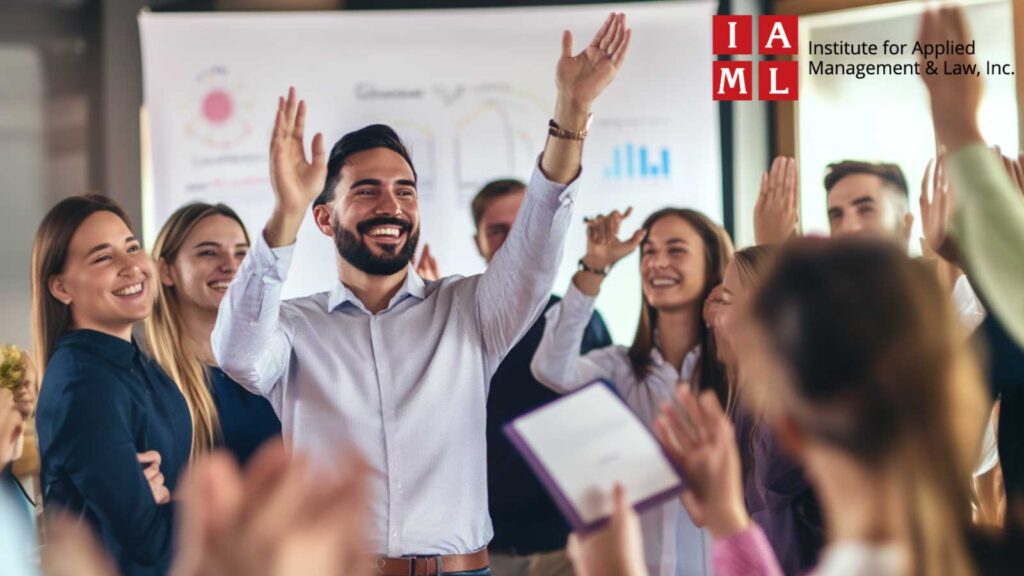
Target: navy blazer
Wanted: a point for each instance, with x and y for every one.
(101, 402)
(246, 420)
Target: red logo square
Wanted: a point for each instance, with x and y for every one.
(732, 34)
(778, 80)
(777, 35)
(733, 80)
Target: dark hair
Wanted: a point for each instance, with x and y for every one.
(51, 318)
(717, 252)
(876, 370)
(492, 191)
(366, 138)
(888, 172)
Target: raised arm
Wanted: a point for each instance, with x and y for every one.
(249, 343)
(558, 363)
(988, 214)
(515, 287)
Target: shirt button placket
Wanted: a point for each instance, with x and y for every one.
(390, 446)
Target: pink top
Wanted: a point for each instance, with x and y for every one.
(746, 553)
(749, 554)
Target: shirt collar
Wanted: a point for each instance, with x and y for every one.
(689, 361)
(120, 352)
(413, 286)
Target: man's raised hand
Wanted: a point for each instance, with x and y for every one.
(582, 78)
(296, 178)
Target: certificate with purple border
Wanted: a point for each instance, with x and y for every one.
(580, 445)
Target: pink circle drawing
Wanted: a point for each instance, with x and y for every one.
(217, 106)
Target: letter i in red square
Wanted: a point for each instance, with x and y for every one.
(733, 80)
(778, 80)
(732, 34)
(777, 35)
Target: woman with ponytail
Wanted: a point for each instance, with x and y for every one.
(867, 385)
(198, 252)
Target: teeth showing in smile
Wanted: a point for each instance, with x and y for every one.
(660, 282)
(128, 291)
(386, 231)
(220, 285)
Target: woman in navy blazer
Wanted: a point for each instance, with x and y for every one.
(114, 430)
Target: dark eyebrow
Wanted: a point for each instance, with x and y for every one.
(863, 200)
(376, 182)
(105, 245)
(365, 182)
(676, 241)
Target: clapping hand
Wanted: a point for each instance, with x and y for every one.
(426, 267)
(701, 440)
(777, 212)
(604, 247)
(936, 211)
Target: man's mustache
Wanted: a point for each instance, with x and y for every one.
(365, 226)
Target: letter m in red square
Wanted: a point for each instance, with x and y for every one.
(778, 80)
(777, 35)
(733, 80)
(732, 34)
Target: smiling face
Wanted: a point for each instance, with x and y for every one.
(106, 279)
(206, 262)
(865, 204)
(672, 264)
(733, 299)
(374, 216)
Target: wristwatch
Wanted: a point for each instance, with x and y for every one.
(558, 132)
(582, 267)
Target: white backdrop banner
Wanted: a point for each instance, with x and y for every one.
(470, 91)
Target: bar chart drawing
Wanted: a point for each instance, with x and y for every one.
(638, 162)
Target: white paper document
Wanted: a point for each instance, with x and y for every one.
(583, 443)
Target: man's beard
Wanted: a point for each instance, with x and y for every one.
(358, 254)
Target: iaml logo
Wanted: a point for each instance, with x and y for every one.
(777, 79)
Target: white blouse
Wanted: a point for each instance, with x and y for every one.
(673, 545)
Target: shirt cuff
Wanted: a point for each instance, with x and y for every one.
(553, 194)
(577, 303)
(271, 263)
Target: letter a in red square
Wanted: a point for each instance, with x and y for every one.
(732, 34)
(733, 80)
(778, 80)
(777, 35)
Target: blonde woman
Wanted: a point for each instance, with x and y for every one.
(198, 252)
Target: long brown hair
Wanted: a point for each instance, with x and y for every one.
(717, 251)
(51, 318)
(876, 370)
(165, 330)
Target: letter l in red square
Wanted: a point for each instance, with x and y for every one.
(778, 80)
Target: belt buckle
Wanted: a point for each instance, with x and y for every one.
(438, 565)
